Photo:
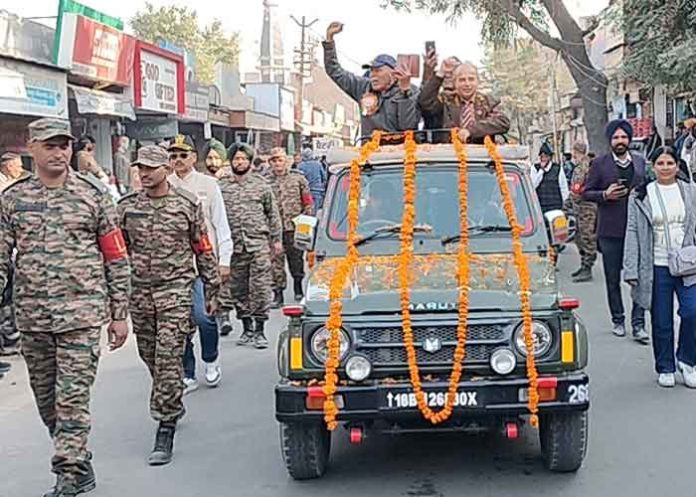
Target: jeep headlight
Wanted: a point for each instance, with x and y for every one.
(541, 336)
(320, 344)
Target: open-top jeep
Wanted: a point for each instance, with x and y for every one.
(374, 389)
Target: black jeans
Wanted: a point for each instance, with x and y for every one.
(612, 259)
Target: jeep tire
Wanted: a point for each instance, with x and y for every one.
(306, 448)
(563, 438)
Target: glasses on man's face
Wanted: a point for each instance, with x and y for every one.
(182, 155)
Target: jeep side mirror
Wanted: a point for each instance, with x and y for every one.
(559, 227)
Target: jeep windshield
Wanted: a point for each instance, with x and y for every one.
(437, 204)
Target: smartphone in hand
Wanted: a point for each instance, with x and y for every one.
(411, 62)
(429, 47)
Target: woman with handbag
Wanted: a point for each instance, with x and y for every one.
(660, 261)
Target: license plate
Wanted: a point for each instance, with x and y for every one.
(435, 399)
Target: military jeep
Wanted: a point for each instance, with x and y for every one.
(374, 391)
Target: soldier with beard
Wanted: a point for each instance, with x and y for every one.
(256, 228)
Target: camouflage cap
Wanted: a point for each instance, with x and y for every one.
(49, 127)
(151, 156)
(183, 142)
(278, 152)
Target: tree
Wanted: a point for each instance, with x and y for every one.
(506, 72)
(661, 35)
(500, 22)
(180, 26)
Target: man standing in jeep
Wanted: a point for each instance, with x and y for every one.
(387, 99)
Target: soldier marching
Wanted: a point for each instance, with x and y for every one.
(165, 232)
(72, 277)
(292, 192)
(256, 228)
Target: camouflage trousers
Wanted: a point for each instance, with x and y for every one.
(295, 258)
(62, 369)
(251, 283)
(586, 236)
(161, 340)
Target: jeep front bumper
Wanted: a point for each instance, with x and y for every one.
(396, 401)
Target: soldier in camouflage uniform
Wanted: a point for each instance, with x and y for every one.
(585, 213)
(256, 231)
(165, 228)
(292, 192)
(72, 277)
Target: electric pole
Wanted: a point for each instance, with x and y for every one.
(305, 56)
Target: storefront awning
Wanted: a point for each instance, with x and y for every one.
(102, 103)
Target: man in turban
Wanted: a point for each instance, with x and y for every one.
(610, 180)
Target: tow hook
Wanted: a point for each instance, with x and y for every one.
(356, 434)
(512, 431)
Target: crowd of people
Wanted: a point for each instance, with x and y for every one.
(185, 248)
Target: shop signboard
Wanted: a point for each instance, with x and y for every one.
(158, 83)
(152, 130)
(45, 90)
(197, 102)
(96, 51)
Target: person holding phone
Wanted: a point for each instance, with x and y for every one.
(475, 114)
(611, 178)
(388, 100)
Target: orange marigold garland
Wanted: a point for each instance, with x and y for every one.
(522, 266)
(338, 281)
(405, 261)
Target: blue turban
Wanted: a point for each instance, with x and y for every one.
(619, 124)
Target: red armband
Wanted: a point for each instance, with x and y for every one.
(113, 246)
(202, 246)
(577, 188)
(307, 199)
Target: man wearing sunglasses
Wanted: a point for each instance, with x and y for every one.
(182, 160)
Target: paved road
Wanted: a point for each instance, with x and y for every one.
(642, 438)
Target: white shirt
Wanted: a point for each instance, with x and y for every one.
(208, 191)
(538, 176)
(676, 216)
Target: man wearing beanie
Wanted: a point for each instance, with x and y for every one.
(611, 179)
(549, 180)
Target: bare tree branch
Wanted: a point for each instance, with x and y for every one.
(511, 8)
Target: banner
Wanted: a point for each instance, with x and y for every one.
(72, 7)
(96, 51)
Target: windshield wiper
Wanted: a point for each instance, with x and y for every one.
(475, 230)
(391, 229)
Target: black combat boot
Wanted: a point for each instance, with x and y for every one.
(278, 298)
(70, 488)
(299, 294)
(584, 275)
(247, 332)
(260, 340)
(164, 445)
